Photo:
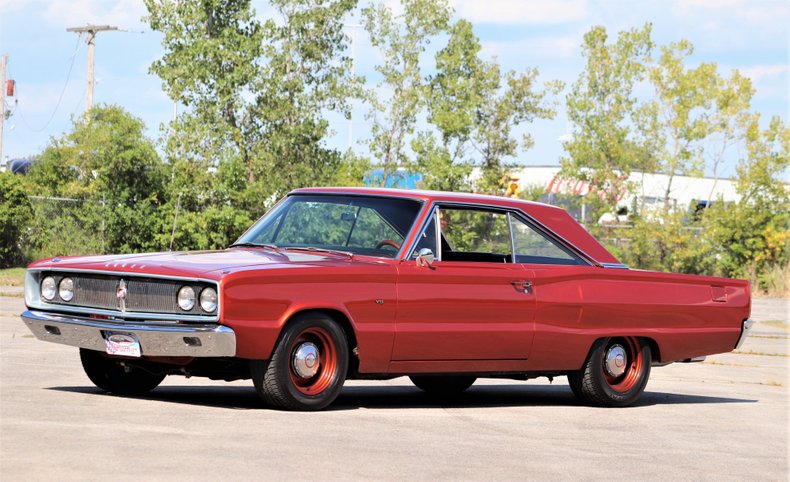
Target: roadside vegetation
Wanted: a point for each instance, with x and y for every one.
(256, 97)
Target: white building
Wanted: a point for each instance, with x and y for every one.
(648, 191)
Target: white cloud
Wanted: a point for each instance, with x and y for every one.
(736, 21)
(762, 72)
(534, 47)
(521, 11)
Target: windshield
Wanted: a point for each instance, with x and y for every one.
(373, 226)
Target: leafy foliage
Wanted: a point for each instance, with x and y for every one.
(115, 180)
(602, 107)
(15, 216)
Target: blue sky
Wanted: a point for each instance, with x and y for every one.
(748, 35)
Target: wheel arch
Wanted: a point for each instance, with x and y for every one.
(655, 354)
(342, 320)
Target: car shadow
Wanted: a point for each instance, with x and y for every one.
(406, 396)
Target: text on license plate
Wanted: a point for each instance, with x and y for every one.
(124, 344)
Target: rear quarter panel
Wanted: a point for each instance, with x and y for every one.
(686, 316)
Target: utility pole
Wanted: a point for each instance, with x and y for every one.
(2, 101)
(353, 74)
(91, 31)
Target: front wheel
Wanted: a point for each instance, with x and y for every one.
(308, 366)
(615, 373)
(111, 376)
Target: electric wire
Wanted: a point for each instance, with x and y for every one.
(62, 92)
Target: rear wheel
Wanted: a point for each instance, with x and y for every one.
(111, 376)
(615, 373)
(308, 366)
(442, 385)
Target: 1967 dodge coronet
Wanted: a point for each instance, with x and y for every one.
(339, 283)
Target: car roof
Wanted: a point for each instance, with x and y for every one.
(554, 218)
(423, 195)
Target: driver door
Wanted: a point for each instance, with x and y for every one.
(473, 302)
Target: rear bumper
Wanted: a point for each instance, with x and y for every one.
(747, 325)
(155, 339)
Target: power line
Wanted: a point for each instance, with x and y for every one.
(92, 31)
(60, 98)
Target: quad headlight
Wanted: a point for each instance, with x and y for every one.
(208, 300)
(186, 298)
(48, 288)
(66, 289)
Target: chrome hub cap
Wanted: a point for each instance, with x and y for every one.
(306, 360)
(614, 363)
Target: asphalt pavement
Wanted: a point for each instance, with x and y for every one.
(723, 419)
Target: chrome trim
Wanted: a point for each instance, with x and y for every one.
(614, 361)
(33, 298)
(437, 226)
(519, 213)
(307, 360)
(155, 340)
(614, 265)
(398, 255)
(407, 254)
(545, 231)
(425, 257)
(745, 327)
(512, 237)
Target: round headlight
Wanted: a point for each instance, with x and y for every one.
(48, 288)
(208, 299)
(186, 298)
(66, 289)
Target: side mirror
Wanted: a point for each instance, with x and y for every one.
(425, 257)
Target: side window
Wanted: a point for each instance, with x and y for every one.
(427, 239)
(533, 247)
(475, 235)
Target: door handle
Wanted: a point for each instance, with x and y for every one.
(522, 286)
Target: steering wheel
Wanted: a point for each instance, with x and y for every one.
(387, 242)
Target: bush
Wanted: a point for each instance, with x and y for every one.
(15, 216)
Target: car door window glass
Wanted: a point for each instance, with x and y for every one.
(427, 239)
(532, 247)
(475, 235)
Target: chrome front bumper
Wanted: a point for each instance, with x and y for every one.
(747, 325)
(155, 339)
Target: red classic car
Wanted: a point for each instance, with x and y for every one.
(339, 283)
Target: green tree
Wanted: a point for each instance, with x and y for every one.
(16, 214)
(751, 237)
(602, 107)
(114, 180)
(399, 98)
(256, 92)
(693, 108)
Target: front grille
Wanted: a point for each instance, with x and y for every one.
(143, 295)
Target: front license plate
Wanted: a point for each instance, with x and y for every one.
(124, 344)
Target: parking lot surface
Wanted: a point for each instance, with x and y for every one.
(723, 419)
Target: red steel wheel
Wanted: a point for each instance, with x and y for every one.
(622, 364)
(313, 361)
(308, 366)
(615, 373)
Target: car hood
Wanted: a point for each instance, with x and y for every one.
(211, 264)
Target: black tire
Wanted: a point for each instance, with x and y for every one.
(109, 375)
(442, 385)
(594, 385)
(278, 381)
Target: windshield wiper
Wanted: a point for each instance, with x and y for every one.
(255, 245)
(320, 250)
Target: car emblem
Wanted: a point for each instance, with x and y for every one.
(120, 293)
